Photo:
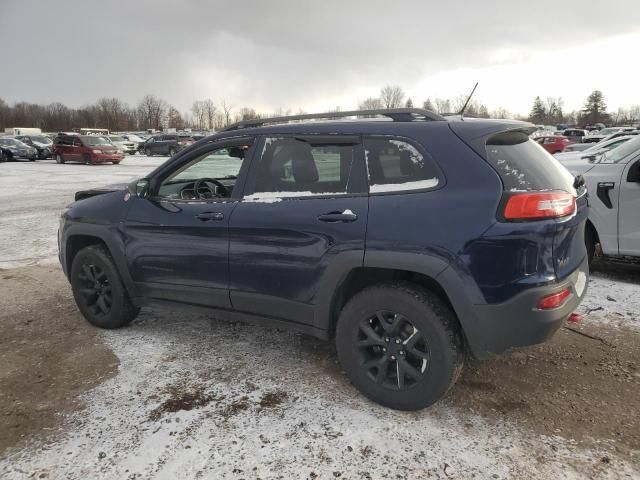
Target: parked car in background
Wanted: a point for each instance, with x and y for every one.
(575, 134)
(577, 147)
(41, 143)
(613, 182)
(123, 144)
(605, 132)
(553, 143)
(165, 144)
(136, 139)
(87, 149)
(569, 159)
(14, 149)
(295, 224)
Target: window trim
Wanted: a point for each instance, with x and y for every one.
(158, 176)
(358, 168)
(442, 180)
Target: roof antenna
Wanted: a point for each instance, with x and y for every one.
(464, 107)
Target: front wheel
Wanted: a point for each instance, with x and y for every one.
(59, 158)
(147, 152)
(98, 291)
(172, 152)
(400, 345)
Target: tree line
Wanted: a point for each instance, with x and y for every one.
(594, 110)
(153, 112)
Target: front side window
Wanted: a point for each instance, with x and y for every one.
(291, 167)
(397, 165)
(211, 175)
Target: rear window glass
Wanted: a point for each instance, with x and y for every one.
(524, 165)
(396, 165)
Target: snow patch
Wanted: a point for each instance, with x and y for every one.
(399, 187)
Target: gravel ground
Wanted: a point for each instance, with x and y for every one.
(181, 396)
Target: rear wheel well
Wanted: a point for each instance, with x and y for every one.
(76, 243)
(360, 278)
(590, 226)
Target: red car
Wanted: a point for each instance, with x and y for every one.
(554, 143)
(88, 149)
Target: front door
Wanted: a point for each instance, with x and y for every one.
(629, 206)
(177, 240)
(304, 217)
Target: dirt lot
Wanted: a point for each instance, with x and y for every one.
(579, 391)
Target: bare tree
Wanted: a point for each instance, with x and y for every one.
(443, 105)
(392, 96)
(197, 110)
(210, 110)
(371, 103)
(152, 111)
(226, 109)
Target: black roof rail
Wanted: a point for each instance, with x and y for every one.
(395, 114)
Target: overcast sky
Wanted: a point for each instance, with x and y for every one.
(317, 55)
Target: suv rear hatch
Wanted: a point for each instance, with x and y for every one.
(539, 192)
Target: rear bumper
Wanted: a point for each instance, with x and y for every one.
(494, 328)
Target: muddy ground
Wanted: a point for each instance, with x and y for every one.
(583, 386)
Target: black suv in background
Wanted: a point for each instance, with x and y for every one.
(41, 143)
(165, 144)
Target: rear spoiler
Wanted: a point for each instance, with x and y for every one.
(476, 132)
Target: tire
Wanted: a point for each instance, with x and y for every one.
(3, 157)
(86, 159)
(59, 158)
(147, 152)
(590, 242)
(426, 343)
(116, 163)
(172, 152)
(93, 275)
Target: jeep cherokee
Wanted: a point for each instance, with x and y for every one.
(412, 241)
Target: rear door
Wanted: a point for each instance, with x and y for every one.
(302, 221)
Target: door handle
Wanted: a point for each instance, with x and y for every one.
(207, 216)
(333, 217)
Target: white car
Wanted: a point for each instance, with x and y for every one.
(588, 156)
(123, 144)
(613, 183)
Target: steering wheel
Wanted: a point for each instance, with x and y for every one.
(221, 190)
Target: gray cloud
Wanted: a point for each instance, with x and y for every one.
(274, 53)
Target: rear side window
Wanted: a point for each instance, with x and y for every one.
(524, 165)
(294, 167)
(397, 165)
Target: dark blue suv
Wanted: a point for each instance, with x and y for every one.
(412, 239)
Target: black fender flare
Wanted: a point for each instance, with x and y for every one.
(112, 237)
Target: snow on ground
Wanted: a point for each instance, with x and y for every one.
(32, 195)
(275, 405)
(267, 407)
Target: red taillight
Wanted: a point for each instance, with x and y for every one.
(538, 205)
(554, 300)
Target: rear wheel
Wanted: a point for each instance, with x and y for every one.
(172, 152)
(98, 290)
(400, 345)
(59, 158)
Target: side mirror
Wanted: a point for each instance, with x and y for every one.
(140, 188)
(634, 173)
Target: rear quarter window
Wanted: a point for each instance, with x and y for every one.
(524, 165)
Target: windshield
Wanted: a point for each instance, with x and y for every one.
(116, 138)
(608, 130)
(12, 141)
(94, 140)
(41, 140)
(621, 152)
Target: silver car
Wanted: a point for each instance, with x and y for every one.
(613, 183)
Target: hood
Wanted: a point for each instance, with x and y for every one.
(577, 165)
(82, 194)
